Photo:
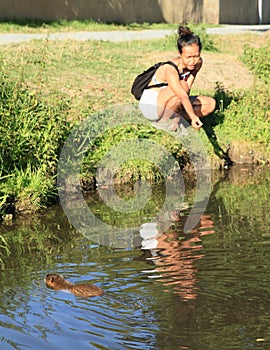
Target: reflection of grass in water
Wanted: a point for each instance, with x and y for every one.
(246, 199)
(5, 248)
(150, 211)
(133, 218)
(38, 241)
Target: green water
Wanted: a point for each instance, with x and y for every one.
(206, 289)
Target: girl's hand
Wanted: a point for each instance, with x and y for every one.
(196, 123)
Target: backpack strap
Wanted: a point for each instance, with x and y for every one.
(165, 84)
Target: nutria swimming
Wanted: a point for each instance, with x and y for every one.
(57, 282)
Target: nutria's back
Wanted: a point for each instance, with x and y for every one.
(57, 282)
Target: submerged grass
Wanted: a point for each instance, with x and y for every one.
(49, 86)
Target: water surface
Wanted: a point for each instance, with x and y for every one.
(206, 289)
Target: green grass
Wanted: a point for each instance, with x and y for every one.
(258, 60)
(26, 26)
(245, 115)
(248, 117)
(49, 86)
(32, 130)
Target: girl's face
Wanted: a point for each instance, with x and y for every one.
(190, 56)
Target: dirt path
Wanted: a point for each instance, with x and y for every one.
(225, 66)
(225, 69)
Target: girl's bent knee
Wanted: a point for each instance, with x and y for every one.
(211, 104)
(214, 104)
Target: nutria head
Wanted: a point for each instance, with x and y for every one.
(55, 281)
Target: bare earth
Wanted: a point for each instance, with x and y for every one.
(222, 68)
(225, 66)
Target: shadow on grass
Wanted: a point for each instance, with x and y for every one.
(37, 23)
(28, 23)
(223, 99)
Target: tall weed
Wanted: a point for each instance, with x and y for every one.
(32, 132)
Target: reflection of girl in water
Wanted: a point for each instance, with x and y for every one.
(174, 258)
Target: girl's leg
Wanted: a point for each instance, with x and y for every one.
(170, 107)
(202, 105)
(168, 104)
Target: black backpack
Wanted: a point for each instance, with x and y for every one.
(142, 80)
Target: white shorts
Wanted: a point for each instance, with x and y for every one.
(148, 104)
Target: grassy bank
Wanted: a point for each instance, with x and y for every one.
(48, 87)
(33, 128)
(245, 114)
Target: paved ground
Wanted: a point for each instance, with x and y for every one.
(126, 35)
(238, 29)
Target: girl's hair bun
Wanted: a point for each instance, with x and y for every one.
(187, 37)
(183, 31)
